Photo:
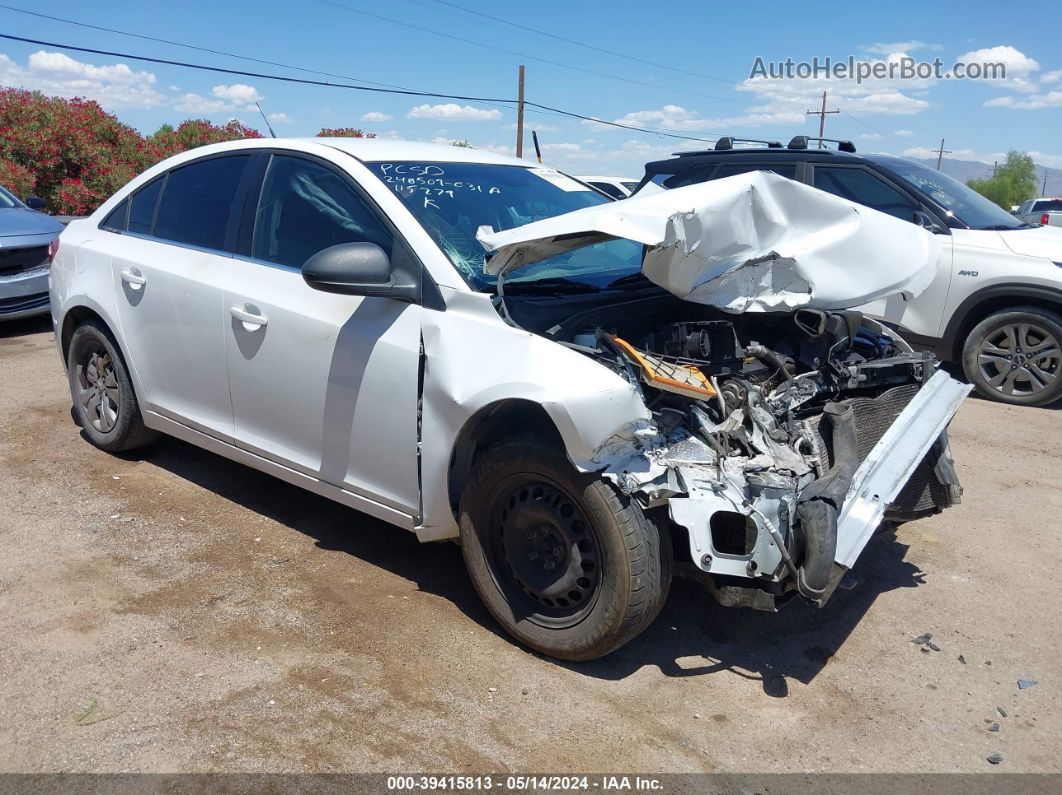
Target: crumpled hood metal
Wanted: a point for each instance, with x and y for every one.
(751, 242)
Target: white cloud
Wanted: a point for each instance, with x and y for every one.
(452, 111)
(1051, 77)
(280, 118)
(898, 46)
(498, 149)
(238, 96)
(1019, 66)
(904, 133)
(1052, 99)
(871, 137)
(676, 117)
(377, 116)
(528, 126)
(53, 73)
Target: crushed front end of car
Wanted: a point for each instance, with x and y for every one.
(782, 426)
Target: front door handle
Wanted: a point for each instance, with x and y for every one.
(250, 320)
(133, 279)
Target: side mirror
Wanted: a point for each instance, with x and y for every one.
(355, 269)
(35, 203)
(927, 222)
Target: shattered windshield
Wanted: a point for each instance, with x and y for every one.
(964, 203)
(453, 200)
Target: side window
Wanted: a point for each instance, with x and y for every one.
(142, 207)
(690, 177)
(862, 187)
(608, 189)
(116, 218)
(306, 207)
(787, 170)
(198, 201)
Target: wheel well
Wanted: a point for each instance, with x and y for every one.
(990, 306)
(74, 318)
(487, 427)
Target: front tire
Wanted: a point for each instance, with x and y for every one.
(104, 402)
(566, 564)
(1015, 356)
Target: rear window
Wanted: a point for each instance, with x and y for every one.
(198, 201)
(1047, 205)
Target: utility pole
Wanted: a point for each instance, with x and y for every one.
(1043, 190)
(941, 152)
(822, 114)
(520, 116)
(995, 167)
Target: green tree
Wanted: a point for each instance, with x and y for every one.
(1013, 182)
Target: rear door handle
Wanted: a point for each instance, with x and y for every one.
(135, 280)
(250, 320)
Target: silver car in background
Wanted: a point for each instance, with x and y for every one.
(28, 239)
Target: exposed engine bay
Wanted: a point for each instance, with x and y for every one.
(759, 423)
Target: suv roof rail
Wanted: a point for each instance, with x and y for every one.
(728, 141)
(801, 142)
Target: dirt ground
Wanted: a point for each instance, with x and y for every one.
(173, 611)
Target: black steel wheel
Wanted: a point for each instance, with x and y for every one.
(564, 562)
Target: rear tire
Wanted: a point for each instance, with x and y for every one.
(1015, 356)
(105, 405)
(566, 564)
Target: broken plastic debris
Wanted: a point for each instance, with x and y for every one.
(923, 639)
(1025, 683)
(962, 659)
(995, 759)
(993, 727)
(932, 645)
(1001, 711)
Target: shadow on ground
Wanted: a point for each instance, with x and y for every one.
(26, 325)
(693, 636)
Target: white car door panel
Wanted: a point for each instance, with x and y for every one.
(328, 384)
(169, 308)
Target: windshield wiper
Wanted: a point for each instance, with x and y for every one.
(551, 286)
(636, 279)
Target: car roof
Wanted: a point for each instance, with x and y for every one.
(685, 160)
(377, 149)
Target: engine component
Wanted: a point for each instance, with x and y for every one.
(711, 344)
(668, 376)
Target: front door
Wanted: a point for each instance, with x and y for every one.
(325, 384)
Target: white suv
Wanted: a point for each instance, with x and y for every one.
(322, 310)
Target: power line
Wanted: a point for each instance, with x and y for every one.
(327, 84)
(524, 55)
(583, 44)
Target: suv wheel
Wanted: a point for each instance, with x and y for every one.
(104, 402)
(1015, 356)
(566, 564)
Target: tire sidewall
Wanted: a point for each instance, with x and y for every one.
(91, 334)
(590, 637)
(973, 342)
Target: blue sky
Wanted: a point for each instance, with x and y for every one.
(697, 82)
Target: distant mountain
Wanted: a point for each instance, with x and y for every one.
(964, 170)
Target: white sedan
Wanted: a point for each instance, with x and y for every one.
(586, 393)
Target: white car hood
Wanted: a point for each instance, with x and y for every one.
(752, 242)
(1043, 241)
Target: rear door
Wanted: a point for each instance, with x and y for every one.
(923, 314)
(170, 266)
(325, 384)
